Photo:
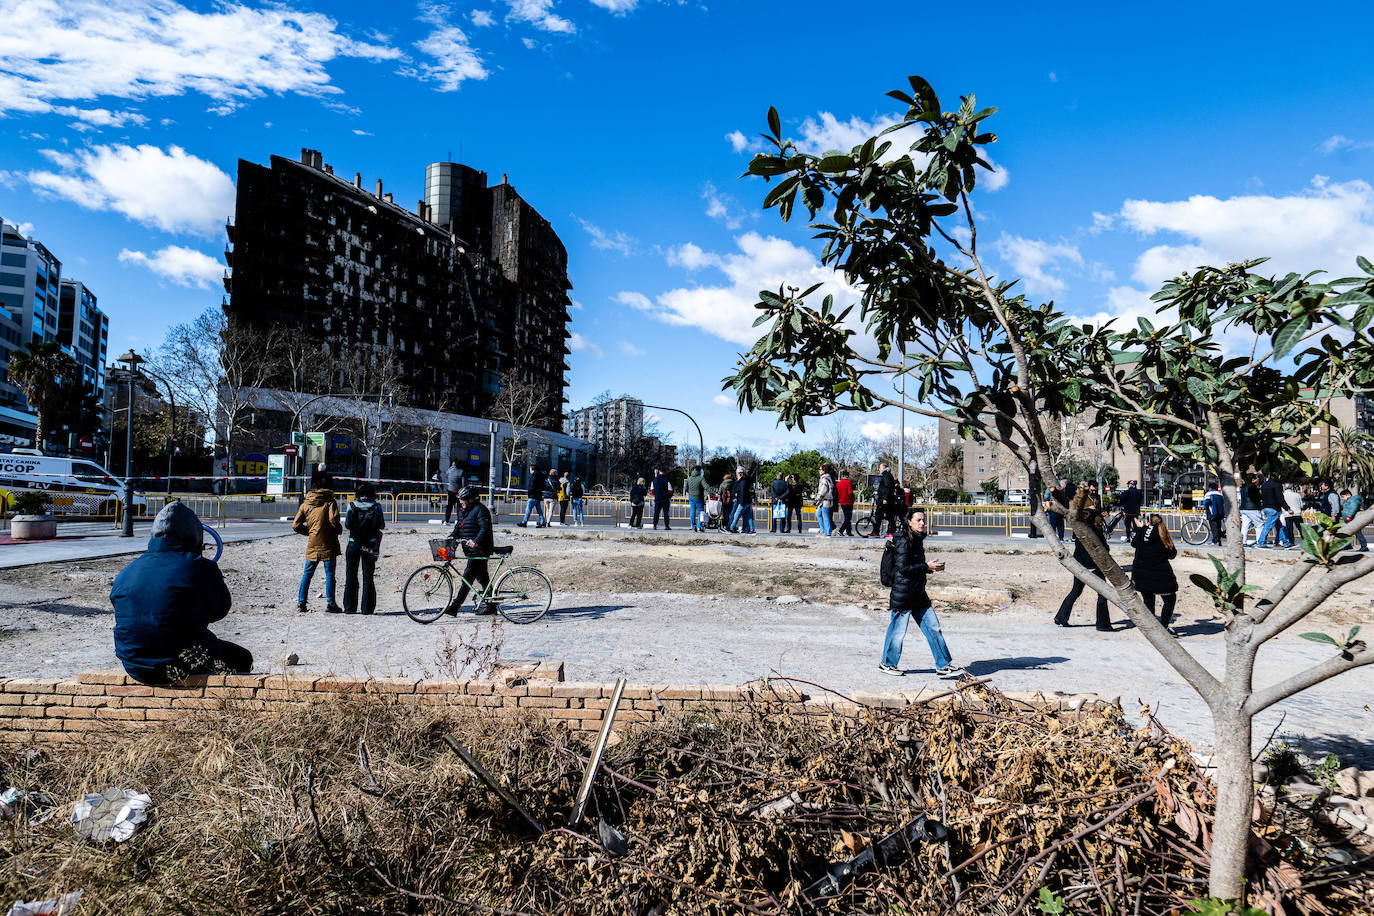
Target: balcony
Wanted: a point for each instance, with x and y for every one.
(228, 282)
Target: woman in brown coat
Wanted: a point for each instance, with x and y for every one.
(318, 517)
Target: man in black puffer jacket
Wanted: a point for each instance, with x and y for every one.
(473, 534)
(909, 597)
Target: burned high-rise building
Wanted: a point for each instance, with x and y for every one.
(470, 284)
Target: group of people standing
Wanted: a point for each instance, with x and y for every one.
(543, 492)
(318, 518)
(1270, 505)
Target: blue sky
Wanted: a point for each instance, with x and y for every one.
(1134, 142)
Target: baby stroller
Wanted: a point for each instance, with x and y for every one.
(715, 516)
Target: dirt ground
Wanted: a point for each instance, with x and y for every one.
(980, 576)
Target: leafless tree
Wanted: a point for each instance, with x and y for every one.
(846, 448)
(373, 406)
(520, 405)
(215, 367)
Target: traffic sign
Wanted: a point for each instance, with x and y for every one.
(298, 438)
(289, 450)
(86, 443)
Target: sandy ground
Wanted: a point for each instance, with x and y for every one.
(687, 609)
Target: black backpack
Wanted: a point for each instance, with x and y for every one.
(365, 528)
(887, 567)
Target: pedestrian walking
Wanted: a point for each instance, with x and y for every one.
(778, 491)
(696, 497)
(1272, 506)
(1131, 501)
(825, 501)
(1214, 508)
(534, 493)
(550, 495)
(726, 495)
(1087, 511)
(1251, 510)
(1150, 570)
(637, 494)
(1350, 507)
(365, 521)
(1064, 496)
(1292, 513)
(453, 482)
(844, 498)
(318, 519)
(796, 494)
(908, 597)
(662, 489)
(743, 518)
(578, 494)
(474, 536)
(885, 503)
(1329, 502)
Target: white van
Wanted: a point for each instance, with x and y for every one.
(76, 486)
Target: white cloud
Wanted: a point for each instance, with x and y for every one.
(1032, 260)
(738, 141)
(576, 306)
(452, 59)
(1054, 77)
(619, 7)
(724, 207)
(876, 432)
(602, 240)
(579, 344)
(96, 118)
(539, 13)
(482, 18)
(727, 310)
(630, 349)
(182, 266)
(77, 50)
(723, 400)
(360, 132)
(171, 189)
(1338, 143)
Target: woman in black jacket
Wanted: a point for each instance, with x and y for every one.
(637, 494)
(1082, 504)
(1151, 572)
(909, 597)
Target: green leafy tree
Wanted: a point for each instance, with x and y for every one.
(1078, 469)
(1350, 462)
(46, 376)
(806, 464)
(899, 225)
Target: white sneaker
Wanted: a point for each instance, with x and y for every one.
(950, 672)
(892, 670)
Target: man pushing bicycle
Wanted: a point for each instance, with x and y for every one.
(473, 534)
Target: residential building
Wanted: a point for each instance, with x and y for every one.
(612, 426)
(471, 284)
(1352, 413)
(84, 330)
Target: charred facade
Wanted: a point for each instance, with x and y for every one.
(453, 303)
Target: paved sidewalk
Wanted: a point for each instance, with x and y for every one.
(92, 540)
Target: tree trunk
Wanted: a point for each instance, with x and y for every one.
(1235, 803)
(38, 430)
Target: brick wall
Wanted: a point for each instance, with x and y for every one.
(60, 710)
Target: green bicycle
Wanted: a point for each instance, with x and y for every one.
(522, 595)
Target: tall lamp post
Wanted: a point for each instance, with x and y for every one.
(700, 441)
(132, 361)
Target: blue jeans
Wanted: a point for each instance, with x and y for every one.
(534, 506)
(310, 574)
(742, 519)
(930, 626)
(823, 519)
(1271, 523)
(696, 508)
(577, 512)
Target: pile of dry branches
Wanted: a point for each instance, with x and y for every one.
(353, 807)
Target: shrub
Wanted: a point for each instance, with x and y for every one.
(30, 502)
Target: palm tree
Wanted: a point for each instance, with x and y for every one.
(43, 373)
(1351, 458)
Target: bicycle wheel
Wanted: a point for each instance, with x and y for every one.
(523, 595)
(219, 543)
(427, 592)
(1196, 530)
(863, 526)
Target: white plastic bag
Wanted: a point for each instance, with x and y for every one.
(111, 815)
(56, 906)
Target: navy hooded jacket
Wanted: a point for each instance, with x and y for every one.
(164, 602)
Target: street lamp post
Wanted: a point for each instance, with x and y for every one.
(132, 360)
(700, 441)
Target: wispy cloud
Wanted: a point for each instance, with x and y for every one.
(616, 241)
(539, 13)
(724, 207)
(630, 349)
(75, 50)
(1337, 143)
(169, 189)
(579, 344)
(1033, 261)
(482, 18)
(723, 400)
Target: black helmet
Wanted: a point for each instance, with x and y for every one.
(467, 493)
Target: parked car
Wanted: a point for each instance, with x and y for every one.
(76, 486)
